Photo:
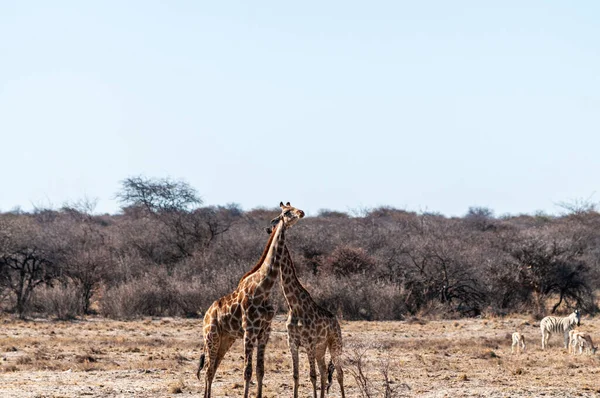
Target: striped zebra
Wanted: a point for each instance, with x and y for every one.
(552, 324)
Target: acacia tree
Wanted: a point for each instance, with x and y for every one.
(169, 203)
(176, 206)
(551, 262)
(25, 259)
(439, 268)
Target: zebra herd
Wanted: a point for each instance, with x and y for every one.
(572, 337)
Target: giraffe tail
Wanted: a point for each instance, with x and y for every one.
(330, 369)
(200, 365)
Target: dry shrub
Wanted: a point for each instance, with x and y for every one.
(137, 298)
(415, 320)
(85, 358)
(437, 310)
(347, 260)
(24, 360)
(357, 355)
(10, 368)
(177, 387)
(487, 354)
(357, 297)
(60, 301)
(161, 295)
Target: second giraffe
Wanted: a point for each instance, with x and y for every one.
(311, 327)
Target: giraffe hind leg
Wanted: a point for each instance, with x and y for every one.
(336, 364)
(211, 369)
(217, 349)
(322, 371)
(313, 372)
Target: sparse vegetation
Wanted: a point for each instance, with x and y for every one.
(167, 255)
(154, 357)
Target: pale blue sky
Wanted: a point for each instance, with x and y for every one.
(424, 106)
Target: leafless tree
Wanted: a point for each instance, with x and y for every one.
(83, 249)
(25, 259)
(186, 226)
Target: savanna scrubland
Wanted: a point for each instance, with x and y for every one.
(158, 357)
(424, 300)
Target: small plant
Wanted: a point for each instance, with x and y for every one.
(24, 360)
(180, 358)
(177, 387)
(357, 370)
(365, 384)
(390, 390)
(10, 368)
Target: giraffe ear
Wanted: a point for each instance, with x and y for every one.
(288, 204)
(281, 204)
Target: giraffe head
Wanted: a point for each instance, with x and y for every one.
(289, 214)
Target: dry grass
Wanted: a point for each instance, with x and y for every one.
(158, 357)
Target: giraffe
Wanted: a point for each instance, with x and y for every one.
(247, 311)
(312, 327)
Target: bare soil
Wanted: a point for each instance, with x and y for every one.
(158, 358)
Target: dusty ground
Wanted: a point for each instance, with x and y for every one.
(158, 358)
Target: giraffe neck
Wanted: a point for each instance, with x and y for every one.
(268, 272)
(295, 294)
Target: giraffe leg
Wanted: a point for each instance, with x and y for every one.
(336, 358)
(322, 370)
(263, 339)
(249, 340)
(226, 343)
(294, 352)
(213, 343)
(313, 371)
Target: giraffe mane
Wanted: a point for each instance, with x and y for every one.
(262, 257)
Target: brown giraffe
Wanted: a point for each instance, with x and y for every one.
(247, 312)
(312, 327)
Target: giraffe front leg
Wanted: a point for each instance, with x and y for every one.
(313, 371)
(249, 339)
(295, 371)
(263, 339)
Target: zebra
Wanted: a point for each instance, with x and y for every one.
(552, 324)
(583, 340)
(518, 340)
(573, 339)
